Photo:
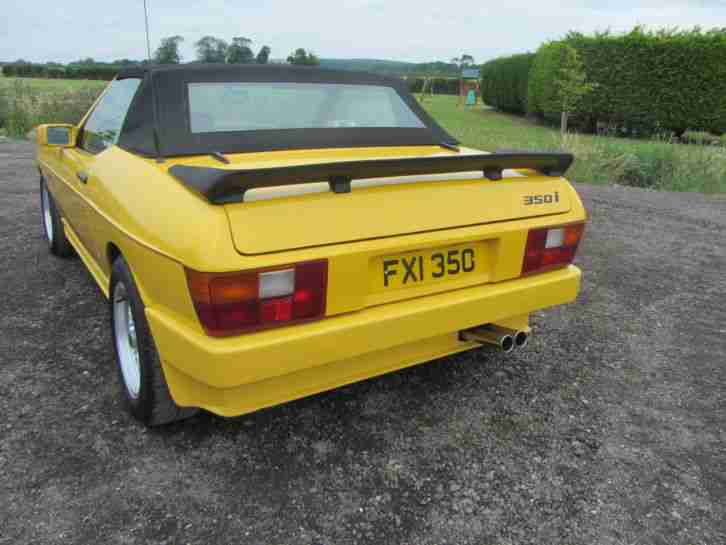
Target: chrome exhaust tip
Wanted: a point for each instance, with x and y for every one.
(490, 335)
(521, 338)
(507, 344)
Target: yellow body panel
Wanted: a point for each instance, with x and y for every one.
(234, 376)
(132, 207)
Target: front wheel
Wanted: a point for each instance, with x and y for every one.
(52, 224)
(140, 372)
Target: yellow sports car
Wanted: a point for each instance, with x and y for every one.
(263, 233)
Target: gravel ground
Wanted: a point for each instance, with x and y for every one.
(608, 429)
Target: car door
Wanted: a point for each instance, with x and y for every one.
(99, 133)
(58, 177)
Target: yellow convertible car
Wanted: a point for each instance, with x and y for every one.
(263, 233)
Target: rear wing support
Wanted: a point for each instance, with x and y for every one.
(224, 185)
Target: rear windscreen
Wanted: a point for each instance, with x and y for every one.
(251, 106)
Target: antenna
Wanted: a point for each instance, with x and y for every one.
(148, 42)
(157, 142)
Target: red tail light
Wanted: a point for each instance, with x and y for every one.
(231, 303)
(551, 247)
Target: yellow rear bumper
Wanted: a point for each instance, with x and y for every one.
(237, 375)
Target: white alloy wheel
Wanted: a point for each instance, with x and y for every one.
(47, 219)
(126, 343)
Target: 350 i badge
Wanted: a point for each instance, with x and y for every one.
(546, 198)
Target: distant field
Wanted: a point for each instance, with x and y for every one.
(52, 85)
(657, 164)
(27, 102)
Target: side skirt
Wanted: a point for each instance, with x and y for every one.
(96, 272)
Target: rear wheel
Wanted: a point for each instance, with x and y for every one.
(52, 224)
(140, 372)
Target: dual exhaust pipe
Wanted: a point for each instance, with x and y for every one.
(503, 338)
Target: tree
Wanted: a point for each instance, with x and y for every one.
(570, 82)
(211, 49)
(302, 57)
(124, 62)
(239, 51)
(263, 55)
(168, 51)
(464, 60)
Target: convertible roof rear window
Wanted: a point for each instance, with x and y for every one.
(252, 106)
(199, 109)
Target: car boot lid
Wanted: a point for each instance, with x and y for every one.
(416, 199)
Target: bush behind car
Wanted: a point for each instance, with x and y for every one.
(645, 82)
(504, 82)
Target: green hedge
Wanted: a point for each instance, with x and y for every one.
(541, 93)
(504, 82)
(646, 82)
(442, 86)
(97, 72)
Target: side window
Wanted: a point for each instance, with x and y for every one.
(103, 126)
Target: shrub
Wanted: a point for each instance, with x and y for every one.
(541, 90)
(94, 72)
(659, 163)
(701, 137)
(4, 106)
(504, 82)
(645, 82)
(98, 72)
(558, 83)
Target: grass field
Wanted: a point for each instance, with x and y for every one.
(27, 102)
(53, 85)
(657, 163)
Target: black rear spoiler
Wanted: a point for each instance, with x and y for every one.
(221, 185)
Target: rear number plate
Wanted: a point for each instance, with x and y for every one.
(428, 266)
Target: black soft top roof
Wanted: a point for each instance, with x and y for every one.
(165, 129)
(250, 72)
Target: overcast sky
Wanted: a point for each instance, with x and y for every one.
(412, 30)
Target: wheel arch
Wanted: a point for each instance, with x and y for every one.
(160, 281)
(112, 253)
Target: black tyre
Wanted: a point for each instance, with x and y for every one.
(140, 374)
(52, 224)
